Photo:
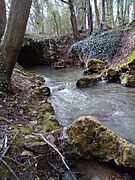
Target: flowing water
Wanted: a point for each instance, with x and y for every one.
(112, 104)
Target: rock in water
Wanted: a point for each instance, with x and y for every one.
(89, 138)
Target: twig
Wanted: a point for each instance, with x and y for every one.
(62, 157)
(6, 150)
(5, 119)
(53, 166)
(13, 160)
(11, 170)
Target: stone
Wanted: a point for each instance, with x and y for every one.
(93, 66)
(27, 153)
(88, 81)
(59, 65)
(42, 90)
(111, 75)
(127, 80)
(38, 147)
(89, 138)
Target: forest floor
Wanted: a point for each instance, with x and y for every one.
(19, 156)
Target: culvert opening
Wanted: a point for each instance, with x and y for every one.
(29, 56)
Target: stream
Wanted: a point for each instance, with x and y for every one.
(112, 104)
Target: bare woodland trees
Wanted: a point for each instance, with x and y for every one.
(12, 40)
(73, 16)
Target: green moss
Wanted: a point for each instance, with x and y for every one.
(25, 130)
(4, 172)
(123, 67)
(94, 61)
(51, 125)
(131, 58)
(47, 107)
(20, 72)
(17, 144)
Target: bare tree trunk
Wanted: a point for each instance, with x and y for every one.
(13, 37)
(89, 16)
(109, 5)
(118, 12)
(127, 11)
(133, 9)
(103, 11)
(122, 11)
(2, 17)
(73, 20)
(97, 13)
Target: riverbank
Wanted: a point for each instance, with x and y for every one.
(24, 154)
(23, 113)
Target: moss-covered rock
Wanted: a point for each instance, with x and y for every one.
(88, 81)
(127, 80)
(89, 138)
(59, 65)
(111, 75)
(93, 66)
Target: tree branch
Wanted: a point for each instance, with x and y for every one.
(64, 1)
(62, 157)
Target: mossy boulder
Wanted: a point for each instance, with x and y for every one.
(88, 81)
(59, 65)
(111, 75)
(127, 79)
(89, 138)
(93, 66)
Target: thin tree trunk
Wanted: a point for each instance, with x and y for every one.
(14, 34)
(97, 13)
(2, 17)
(89, 16)
(133, 9)
(122, 11)
(73, 20)
(103, 11)
(118, 12)
(111, 11)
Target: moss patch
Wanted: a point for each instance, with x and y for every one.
(91, 138)
(131, 58)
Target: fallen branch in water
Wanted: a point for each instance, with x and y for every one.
(62, 157)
